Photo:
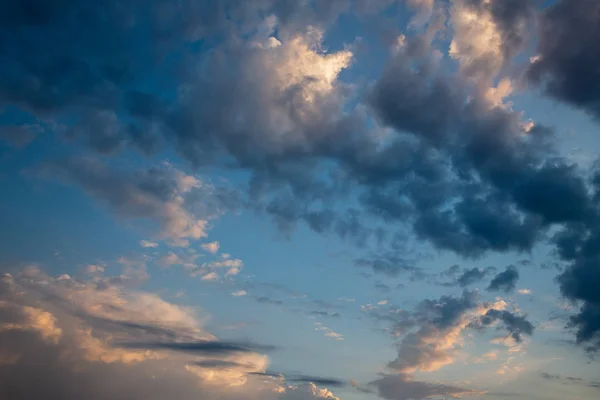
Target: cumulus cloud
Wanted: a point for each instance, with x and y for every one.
(269, 99)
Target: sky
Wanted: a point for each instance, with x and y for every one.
(296, 200)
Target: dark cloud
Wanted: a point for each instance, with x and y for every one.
(506, 280)
(389, 265)
(447, 310)
(505, 210)
(516, 325)
(578, 245)
(463, 277)
(505, 188)
(201, 347)
(471, 276)
(555, 377)
(566, 65)
(569, 380)
(316, 380)
(268, 300)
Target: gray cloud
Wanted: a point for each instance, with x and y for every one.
(471, 276)
(569, 380)
(516, 325)
(566, 62)
(201, 347)
(506, 280)
(455, 170)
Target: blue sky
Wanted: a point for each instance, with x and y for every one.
(300, 200)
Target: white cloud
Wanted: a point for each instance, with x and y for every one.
(328, 332)
(211, 276)
(239, 293)
(169, 260)
(305, 392)
(148, 244)
(212, 247)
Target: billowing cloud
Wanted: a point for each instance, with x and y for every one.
(454, 167)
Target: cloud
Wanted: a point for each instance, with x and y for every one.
(432, 335)
(471, 276)
(305, 391)
(516, 325)
(403, 387)
(328, 332)
(268, 100)
(565, 65)
(239, 293)
(302, 379)
(569, 380)
(94, 269)
(439, 324)
(488, 34)
(83, 333)
(178, 203)
(212, 247)
(148, 244)
(388, 264)
(19, 136)
(169, 260)
(201, 347)
(211, 276)
(506, 280)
